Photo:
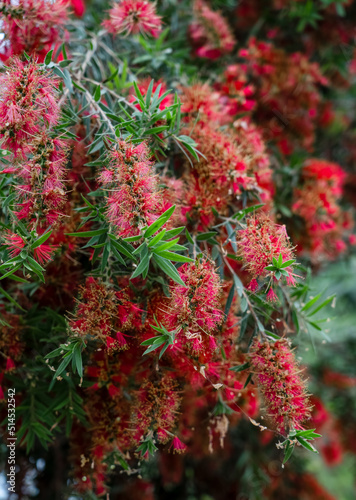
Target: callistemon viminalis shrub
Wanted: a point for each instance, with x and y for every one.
(168, 185)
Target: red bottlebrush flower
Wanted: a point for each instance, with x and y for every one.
(133, 16)
(194, 309)
(133, 188)
(103, 314)
(209, 103)
(32, 25)
(178, 446)
(316, 202)
(42, 195)
(276, 76)
(210, 33)
(28, 104)
(281, 384)
(14, 242)
(43, 253)
(260, 242)
(219, 174)
(155, 408)
(2, 395)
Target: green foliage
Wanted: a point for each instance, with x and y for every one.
(299, 438)
(163, 341)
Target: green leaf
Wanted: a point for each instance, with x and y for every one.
(65, 362)
(122, 247)
(322, 305)
(78, 360)
(151, 340)
(143, 265)
(88, 234)
(156, 239)
(306, 445)
(97, 93)
(280, 260)
(173, 232)
(159, 222)
(34, 264)
(149, 93)
(44, 237)
(189, 238)
(169, 269)
(311, 302)
(288, 451)
(248, 380)
(165, 245)
(156, 130)
(240, 368)
(206, 236)
(48, 58)
(10, 299)
(174, 257)
(287, 263)
(12, 271)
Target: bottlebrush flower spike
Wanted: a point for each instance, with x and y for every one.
(316, 202)
(260, 242)
(210, 33)
(102, 314)
(279, 379)
(42, 195)
(156, 407)
(28, 104)
(32, 25)
(133, 16)
(133, 188)
(194, 309)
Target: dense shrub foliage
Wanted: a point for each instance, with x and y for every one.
(172, 175)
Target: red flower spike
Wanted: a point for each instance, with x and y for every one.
(194, 309)
(259, 243)
(283, 388)
(210, 33)
(133, 188)
(130, 17)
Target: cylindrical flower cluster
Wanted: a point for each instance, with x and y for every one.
(194, 309)
(210, 33)
(103, 314)
(260, 242)
(31, 25)
(132, 187)
(279, 379)
(28, 104)
(133, 16)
